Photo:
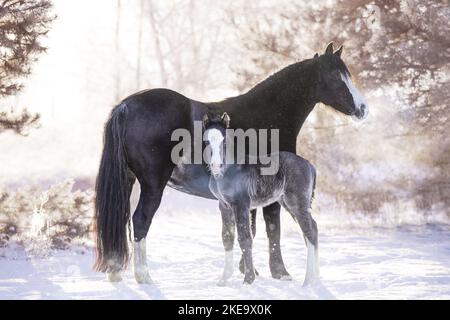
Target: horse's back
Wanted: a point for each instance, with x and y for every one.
(293, 163)
(156, 101)
(152, 116)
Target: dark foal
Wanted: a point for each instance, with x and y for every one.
(242, 187)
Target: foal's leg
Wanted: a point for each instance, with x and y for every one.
(300, 211)
(241, 213)
(228, 234)
(309, 228)
(152, 187)
(253, 227)
(272, 218)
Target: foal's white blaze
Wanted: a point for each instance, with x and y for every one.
(215, 139)
(228, 269)
(140, 262)
(312, 268)
(358, 98)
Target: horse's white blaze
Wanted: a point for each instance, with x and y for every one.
(215, 139)
(140, 262)
(358, 98)
(311, 263)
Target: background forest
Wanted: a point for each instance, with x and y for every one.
(64, 65)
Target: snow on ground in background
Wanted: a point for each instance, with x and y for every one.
(186, 258)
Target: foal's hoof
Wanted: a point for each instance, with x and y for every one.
(114, 276)
(282, 276)
(241, 267)
(249, 279)
(143, 278)
(310, 282)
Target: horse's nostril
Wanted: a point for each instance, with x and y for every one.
(363, 107)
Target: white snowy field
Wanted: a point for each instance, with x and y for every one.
(185, 256)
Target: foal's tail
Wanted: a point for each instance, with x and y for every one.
(112, 206)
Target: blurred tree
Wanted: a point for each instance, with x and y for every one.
(400, 44)
(399, 48)
(22, 24)
(181, 40)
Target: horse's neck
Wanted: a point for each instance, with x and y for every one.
(282, 101)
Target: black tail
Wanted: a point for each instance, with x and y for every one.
(112, 205)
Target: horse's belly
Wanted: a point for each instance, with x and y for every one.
(192, 179)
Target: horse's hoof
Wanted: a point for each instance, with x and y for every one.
(309, 281)
(143, 278)
(287, 277)
(281, 274)
(114, 276)
(222, 283)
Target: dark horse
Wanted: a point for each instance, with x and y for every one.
(137, 144)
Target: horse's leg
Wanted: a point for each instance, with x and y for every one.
(271, 215)
(114, 275)
(152, 181)
(245, 239)
(253, 226)
(228, 233)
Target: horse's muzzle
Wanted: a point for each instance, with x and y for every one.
(362, 113)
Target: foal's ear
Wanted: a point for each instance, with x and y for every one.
(205, 121)
(339, 51)
(316, 56)
(226, 120)
(329, 49)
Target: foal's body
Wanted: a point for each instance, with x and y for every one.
(242, 187)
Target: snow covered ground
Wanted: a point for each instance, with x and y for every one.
(186, 258)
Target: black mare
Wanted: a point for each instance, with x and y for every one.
(137, 144)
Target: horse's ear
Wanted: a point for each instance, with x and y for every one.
(316, 56)
(205, 121)
(339, 51)
(329, 49)
(226, 120)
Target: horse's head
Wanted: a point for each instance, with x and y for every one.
(335, 87)
(214, 137)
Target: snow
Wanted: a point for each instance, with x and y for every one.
(186, 260)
